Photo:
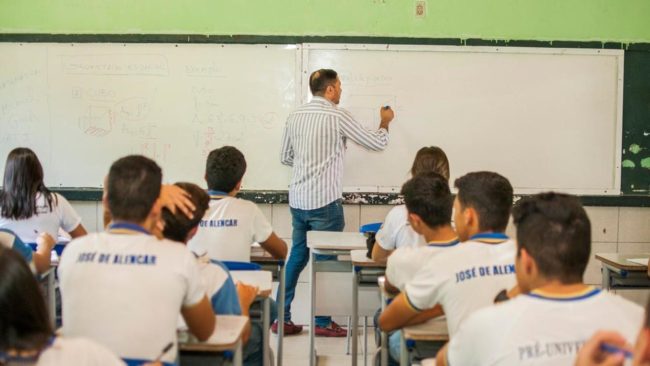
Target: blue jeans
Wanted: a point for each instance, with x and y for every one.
(326, 218)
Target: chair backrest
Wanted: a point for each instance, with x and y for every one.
(241, 266)
(370, 228)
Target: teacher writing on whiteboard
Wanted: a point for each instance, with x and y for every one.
(314, 143)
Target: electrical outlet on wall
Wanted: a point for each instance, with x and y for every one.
(420, 8)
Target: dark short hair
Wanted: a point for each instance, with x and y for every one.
(319, 80)
(23, 181)
(224, 168)
(490, 194)
(133, 187)
(431, 159)
(555, 230)
(428, 196)
(24, 320)
(178, 225)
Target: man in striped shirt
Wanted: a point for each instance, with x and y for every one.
(314, 142)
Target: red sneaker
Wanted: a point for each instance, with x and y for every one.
(334, 330)
(289, 328)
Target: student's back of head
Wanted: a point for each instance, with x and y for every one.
(178, 226)
(23, 180)
(24, 320)
(489, 195)
(431, 159)
(133, 186)
(224, 169)
(554, 229)
(428, 196)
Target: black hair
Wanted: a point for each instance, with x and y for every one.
(24, 320)
(490, 194)
(224, 168)
(23, 181)
(428, 196)
(133, 187)
(178, 225)
(555, 230)
(431, 159)
(319, 80)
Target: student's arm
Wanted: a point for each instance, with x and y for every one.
(78, 231)
(200, 319)
(276, 246)
(380, 254)
(246, 294)
(441, 357)
(426, 315)
(45, 242)
(397, 314)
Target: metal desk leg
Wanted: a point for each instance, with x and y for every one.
(51, 297)
(237, 360)
(403, 352)
(355, 315)
(312, 313)
(280, 315)
(384, 349)
(607, 283)
(365, 341)
(266, 320)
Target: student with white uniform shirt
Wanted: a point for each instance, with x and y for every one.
(26, 334)
(429, 203)
(556, 312)
(226, 297)
(124, 288)
(28, 207)
(39, 261)
(231, 225)
(467, 277)
(396, 231)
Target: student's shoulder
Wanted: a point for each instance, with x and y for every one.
(623, 305)
(397, 213)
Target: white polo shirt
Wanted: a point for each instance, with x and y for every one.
(396, 232)
(465, 278)
(124, 289)
(405, 262)
(62, 216)
(228, 229)
(541, 329)
(77, 351)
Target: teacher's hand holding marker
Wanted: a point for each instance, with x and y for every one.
(386, 113)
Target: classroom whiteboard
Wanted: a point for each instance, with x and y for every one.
(82, 106)
(544, 118)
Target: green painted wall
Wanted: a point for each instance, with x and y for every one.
(626, 21)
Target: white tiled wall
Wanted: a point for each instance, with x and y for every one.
(614, 229)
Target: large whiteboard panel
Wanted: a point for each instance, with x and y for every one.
(544, 118)
(81, 106)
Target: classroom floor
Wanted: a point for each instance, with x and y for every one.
(331, 351)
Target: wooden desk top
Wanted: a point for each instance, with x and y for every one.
(334, 240)
(431, 330)
(262, 279)
(226, 334)
(359, 259)
(620, 261)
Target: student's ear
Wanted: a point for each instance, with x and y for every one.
(528, 265)
(416, 222)
(471, 217)
(238, 186)
(191, 234)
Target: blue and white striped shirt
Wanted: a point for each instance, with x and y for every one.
(314, 143)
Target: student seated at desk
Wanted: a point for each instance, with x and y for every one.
(429, 203)
(226, 297)
(26, 334)
(39, 261)
(464, 278)
(28, 208)
(396, 231)
(231, 225)
(556, 312)
(124, 287)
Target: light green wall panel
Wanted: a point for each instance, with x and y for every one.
(625, 21)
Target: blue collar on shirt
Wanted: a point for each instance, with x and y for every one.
(5, 358)
(126, 228)
(217, 194)
(588, 292)
(443, 244)
(490, 237)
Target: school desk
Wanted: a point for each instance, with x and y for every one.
(227, 336)
(432, 330)
(619, 272)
